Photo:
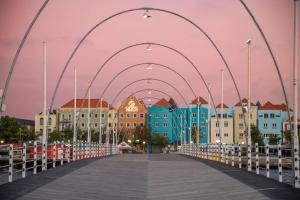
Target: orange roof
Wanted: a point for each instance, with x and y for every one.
(94, 102)
(244, 100)
(199, 100)
(224, 106)
(162, 102)
(269, 106)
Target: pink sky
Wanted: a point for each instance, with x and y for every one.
(63, 23)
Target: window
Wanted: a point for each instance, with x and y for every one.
(156, 124)
(165, 124)
(241, 125)
(121, 124)
(241, 135)
(165, 134)
(250, 115)
(96, 125)
(82, 125)
(217, 124)
(156, 115)
(274, 125)
(63, 117)
(115, 124)
(121, 115)
(96, 115)
(109, 124)
(70, 116)
(134, 115)
(103, 115)
(203, 124)
(141, 115)
(203, 115)
(109, 115)
(165, 115)
(128, 115)
(241, 116)
(82, 115)
(266, 116)
(265, 125)
(134, 124)
(226, 124)
(272, 115)
(49, 121)
(217, 134)
(194, 124)
(128, 124)
(194, 115)
(225, 134)
(141, 124)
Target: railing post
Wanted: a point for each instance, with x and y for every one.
(62, 153)
(74, 151)
(207, 150)
(24, 161)
(11, 163)
(267, 161)
(232, 155)
(257, 158)
(34, 157)
(226, 155)
(44, 157)
(68, 151)
(279, 163)
(240, 158)
(249, 157)
(54, 155)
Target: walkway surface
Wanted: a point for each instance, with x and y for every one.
(137, 176)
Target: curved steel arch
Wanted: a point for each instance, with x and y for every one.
(139, 64)
(155, 9)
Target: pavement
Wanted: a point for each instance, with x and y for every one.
(146, 176)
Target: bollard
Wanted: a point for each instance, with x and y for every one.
(279, 163)
(240, 158)
(267, 161)
(232, 155)
(68, 151)
(24, 161)
(11, 163)
(256, 158)
(62, 153)
(54, 155)
(34, 157)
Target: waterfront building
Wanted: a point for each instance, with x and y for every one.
(52, 123)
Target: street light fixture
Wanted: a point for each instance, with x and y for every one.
(149, 48)
(149, 67)
(146, 14)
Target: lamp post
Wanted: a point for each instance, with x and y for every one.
(100, 122)
(75, 114)
(222, 110)
(44, 139)
(208, 119)
(249, 107)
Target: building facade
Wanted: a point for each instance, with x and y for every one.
(270, 120)
(52, 122)
(240, 127)
(227, 136)
(131, 113)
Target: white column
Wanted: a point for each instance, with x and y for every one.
(89, 118)
(75, 115)
(249, 108)
(44, 139)
(190, 133)
(208, 119)
(198, 122)
(107, 130)
(222, 106)
(295, 84)
(100, 123)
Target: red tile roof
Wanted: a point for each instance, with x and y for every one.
(94, 102)
(244, 100)
(224, 106)
(199, 100)
(269, 106)
(162, 102)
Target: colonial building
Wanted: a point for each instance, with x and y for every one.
(286, 124)
(131, 113)
(270, 120)
(97, 107)
(240, 135)
(227, 136)
(52, 122)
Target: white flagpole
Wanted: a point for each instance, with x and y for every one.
(198, 121)
(107, 131)
(89, 122)
(222, 105)
(75, 114)
(100, 123)
(44, 139)
(249, 106)
(208, 120)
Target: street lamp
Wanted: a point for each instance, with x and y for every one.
(146, 14)
(149, 48)
(149, 67)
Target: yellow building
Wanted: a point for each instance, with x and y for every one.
(215, 128)
(240, 135)
(52, 122)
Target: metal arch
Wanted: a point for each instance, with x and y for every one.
(140, 64)
(12, 66)
(272, 55)
(160, 10)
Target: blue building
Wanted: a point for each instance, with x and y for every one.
(270, 120)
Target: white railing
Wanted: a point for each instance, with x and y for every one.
(18, 160)
(272, 161)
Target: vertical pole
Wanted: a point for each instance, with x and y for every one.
(89, 122)
(207, 150)
(232, 155)
(226, 155)
(240, 158)
(75, 115)
(68, 151)
(107, 132)
(62, 153)
(257, 158)
(249, 108)
(100, 123)
(54, 155)
(222, 111)
(11, 163)
(190, 125)
(198, 121)
(267, 161)
(208, 120)
(279, 163)
(44, 156)
(24, 161)
(295, 84)
(34, 157)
